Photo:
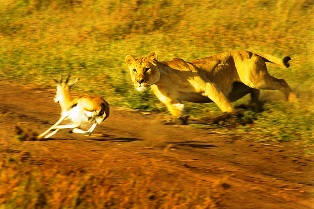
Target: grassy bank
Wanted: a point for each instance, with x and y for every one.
(41, 39)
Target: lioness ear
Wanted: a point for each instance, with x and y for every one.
(129, 59)
(153, 57)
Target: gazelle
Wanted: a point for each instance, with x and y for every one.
(89, 108)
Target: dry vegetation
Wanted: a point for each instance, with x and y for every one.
(41, 39)
(25, 185)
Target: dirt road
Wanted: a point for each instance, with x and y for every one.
(250, 175)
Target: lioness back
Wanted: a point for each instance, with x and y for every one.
(220, 78)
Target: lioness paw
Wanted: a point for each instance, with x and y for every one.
(183, 120)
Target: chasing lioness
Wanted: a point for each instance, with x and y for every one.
(221, 79)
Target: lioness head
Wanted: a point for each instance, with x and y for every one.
(144, 71)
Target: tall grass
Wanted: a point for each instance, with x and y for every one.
(41, 39)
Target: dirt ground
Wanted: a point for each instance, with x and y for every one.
(255, 175)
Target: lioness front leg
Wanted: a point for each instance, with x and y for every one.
(177, 110)
(174, 106)
(213, 93)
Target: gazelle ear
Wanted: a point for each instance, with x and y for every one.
(153, 57)
(58, 81)
(73, 82)
(129, 59)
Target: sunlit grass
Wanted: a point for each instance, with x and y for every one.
(42, 39)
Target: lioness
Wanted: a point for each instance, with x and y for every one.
(221, 78)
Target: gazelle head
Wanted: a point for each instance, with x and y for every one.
(63, 90)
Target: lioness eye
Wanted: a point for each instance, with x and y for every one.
(146, 70)
(134, 71)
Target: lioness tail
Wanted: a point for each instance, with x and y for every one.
(284, 62)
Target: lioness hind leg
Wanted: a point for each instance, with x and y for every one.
(271, 83)
(254, 93)
(255, 103)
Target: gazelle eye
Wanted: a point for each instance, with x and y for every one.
(134, 71)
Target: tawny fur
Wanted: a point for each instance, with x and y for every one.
(221, 78)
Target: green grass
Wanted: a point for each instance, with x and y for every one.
(39, 40)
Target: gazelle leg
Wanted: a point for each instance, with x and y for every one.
(81, 131)
(76, 124)
(53, 126)
(57, 128)
(52, 133)
(91, 129)
(70, 126)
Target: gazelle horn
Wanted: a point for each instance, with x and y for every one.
(68, 78)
